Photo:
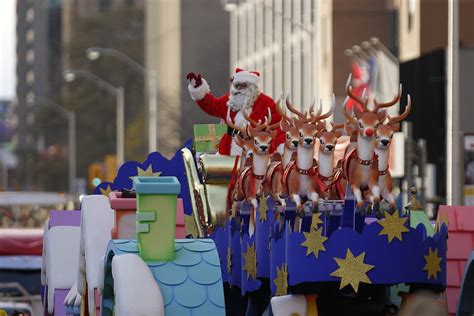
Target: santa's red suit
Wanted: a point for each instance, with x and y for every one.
(218, 107)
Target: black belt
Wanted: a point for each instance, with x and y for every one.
(230, 131)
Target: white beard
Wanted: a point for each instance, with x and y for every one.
(238, 98)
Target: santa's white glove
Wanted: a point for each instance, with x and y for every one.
(198, 87)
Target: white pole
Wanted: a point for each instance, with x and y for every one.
(120, 127)
(453, 157)
(152, 111)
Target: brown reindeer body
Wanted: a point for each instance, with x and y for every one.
(274, 186)
(384, 137)
(300, 175)
(330, 181)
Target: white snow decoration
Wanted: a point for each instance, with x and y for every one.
(136, 291)
(97, 220)
(62, 245)
(288, 305)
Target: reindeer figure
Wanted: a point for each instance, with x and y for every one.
(383, 138)
(360, 163)
(330, 182)
(273, 182)
(300, 175)
(250, 180)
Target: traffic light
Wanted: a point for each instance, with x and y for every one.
(96, 175)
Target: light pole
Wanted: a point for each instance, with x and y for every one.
(94, 53)
(71, 75)
(71, 117)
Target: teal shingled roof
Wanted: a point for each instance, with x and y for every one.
(191, 284)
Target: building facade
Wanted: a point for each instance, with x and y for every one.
(289, 42)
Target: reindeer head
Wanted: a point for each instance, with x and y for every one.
(385, 131)
(305, 125)
(366, 121)
(328, 139)
(287, 125)
(262, 134)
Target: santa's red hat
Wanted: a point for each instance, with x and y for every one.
(244, 76)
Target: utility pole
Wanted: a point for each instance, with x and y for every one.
(453, 141)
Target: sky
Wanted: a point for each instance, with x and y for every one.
(7, 49)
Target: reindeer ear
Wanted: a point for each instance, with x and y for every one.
(381, 116)
(321, 126)
(348, 128)
(284, 125)
(238, 140)
(319, 133)
(395, 127)
(338, 133)
(357, 112)
(248, 130)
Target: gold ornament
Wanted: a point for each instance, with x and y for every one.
(314, 241)
(316, 220)
(432, 263)
(352, 270)
(250, 262)
(190, 226)
(148, 172)
(393, 226)
(233, 210)
(281, 280)
(229, 260)
(107, 190)
(263, 210)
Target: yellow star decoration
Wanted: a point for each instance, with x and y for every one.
(352, 270)
(229, 260)
(281, 280)
(316, 220)
(314, 241)
(106, 191)
(393, 226)
(263, 210)
(432, 263)
(250, 262)
(148, 172)
(190, 226)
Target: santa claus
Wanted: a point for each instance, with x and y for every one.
(244, 91)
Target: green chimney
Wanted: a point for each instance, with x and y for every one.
(156, 216)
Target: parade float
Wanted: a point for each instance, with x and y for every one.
(276, 222)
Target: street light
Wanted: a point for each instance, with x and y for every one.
(72, 74)
(94, 53)
(71, 116)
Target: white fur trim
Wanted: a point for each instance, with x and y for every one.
(246, 77)
(200, 92)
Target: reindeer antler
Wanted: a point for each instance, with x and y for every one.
(348, 116)
(396, 119)
(231, 124)
(258, 125)
(336, 126)
(294, 110)
(328, 113)
(378, 106)
(353, 96)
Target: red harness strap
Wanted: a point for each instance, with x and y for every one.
(272, 170)
(292, 165)
(335, 183)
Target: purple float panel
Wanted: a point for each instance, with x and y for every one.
(64, 218)
(59, 308)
